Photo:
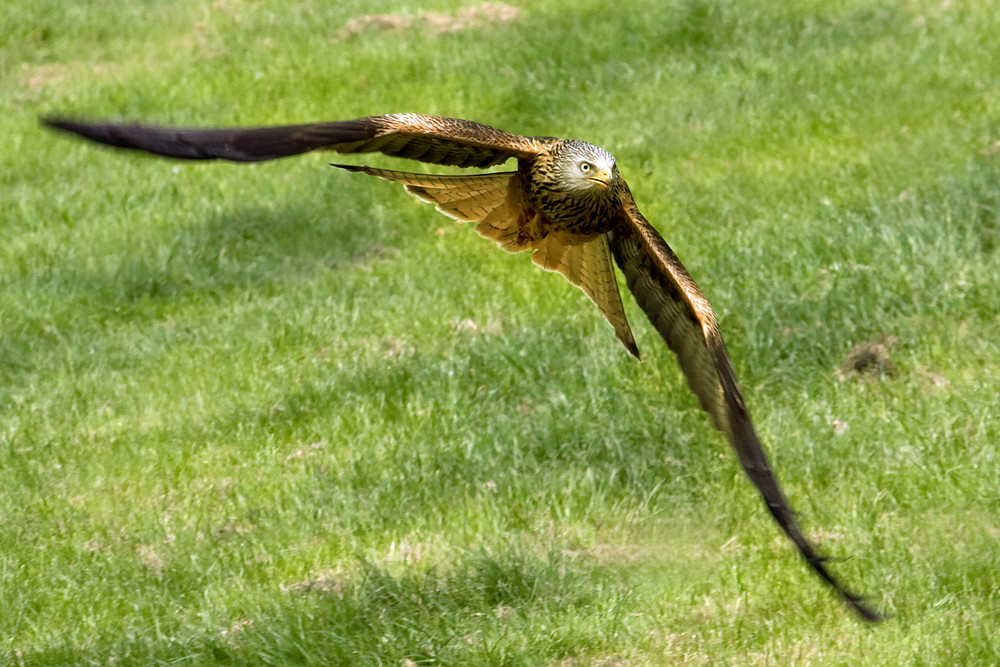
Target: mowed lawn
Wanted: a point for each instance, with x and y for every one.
(282, 414)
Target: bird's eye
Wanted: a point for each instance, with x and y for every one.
(585, 167)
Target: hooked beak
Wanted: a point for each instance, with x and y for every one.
(603, 178)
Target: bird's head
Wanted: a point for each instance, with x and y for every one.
(585, 169)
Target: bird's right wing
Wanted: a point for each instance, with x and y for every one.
(434, 139)
(681, 314)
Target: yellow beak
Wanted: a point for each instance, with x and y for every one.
(603, 178)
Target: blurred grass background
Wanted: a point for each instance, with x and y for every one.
(278, 414)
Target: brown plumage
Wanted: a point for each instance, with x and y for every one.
(566, 203)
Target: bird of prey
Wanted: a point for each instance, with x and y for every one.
(566, 203)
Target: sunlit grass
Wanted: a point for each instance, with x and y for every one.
(279, 414)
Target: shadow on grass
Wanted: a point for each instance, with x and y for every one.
(373, 415)
(75, 309)
(483, 606)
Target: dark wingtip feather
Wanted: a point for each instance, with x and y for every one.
(855, 601)
(159, 141)
(818, 563)
(52, 121)
(348, 167)
(66, 125)
(55, 121)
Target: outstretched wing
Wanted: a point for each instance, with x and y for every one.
(681, 314)
(448, 141)
(496, 202)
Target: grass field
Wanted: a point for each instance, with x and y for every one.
(280, 414)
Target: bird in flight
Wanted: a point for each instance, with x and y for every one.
(566, 203)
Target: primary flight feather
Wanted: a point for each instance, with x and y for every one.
(566, 203)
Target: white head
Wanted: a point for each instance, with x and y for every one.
(585, 169)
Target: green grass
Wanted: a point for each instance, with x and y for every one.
(244, 418)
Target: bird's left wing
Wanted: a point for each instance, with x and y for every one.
(434, 139)
(680, 313)
(496, 202)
